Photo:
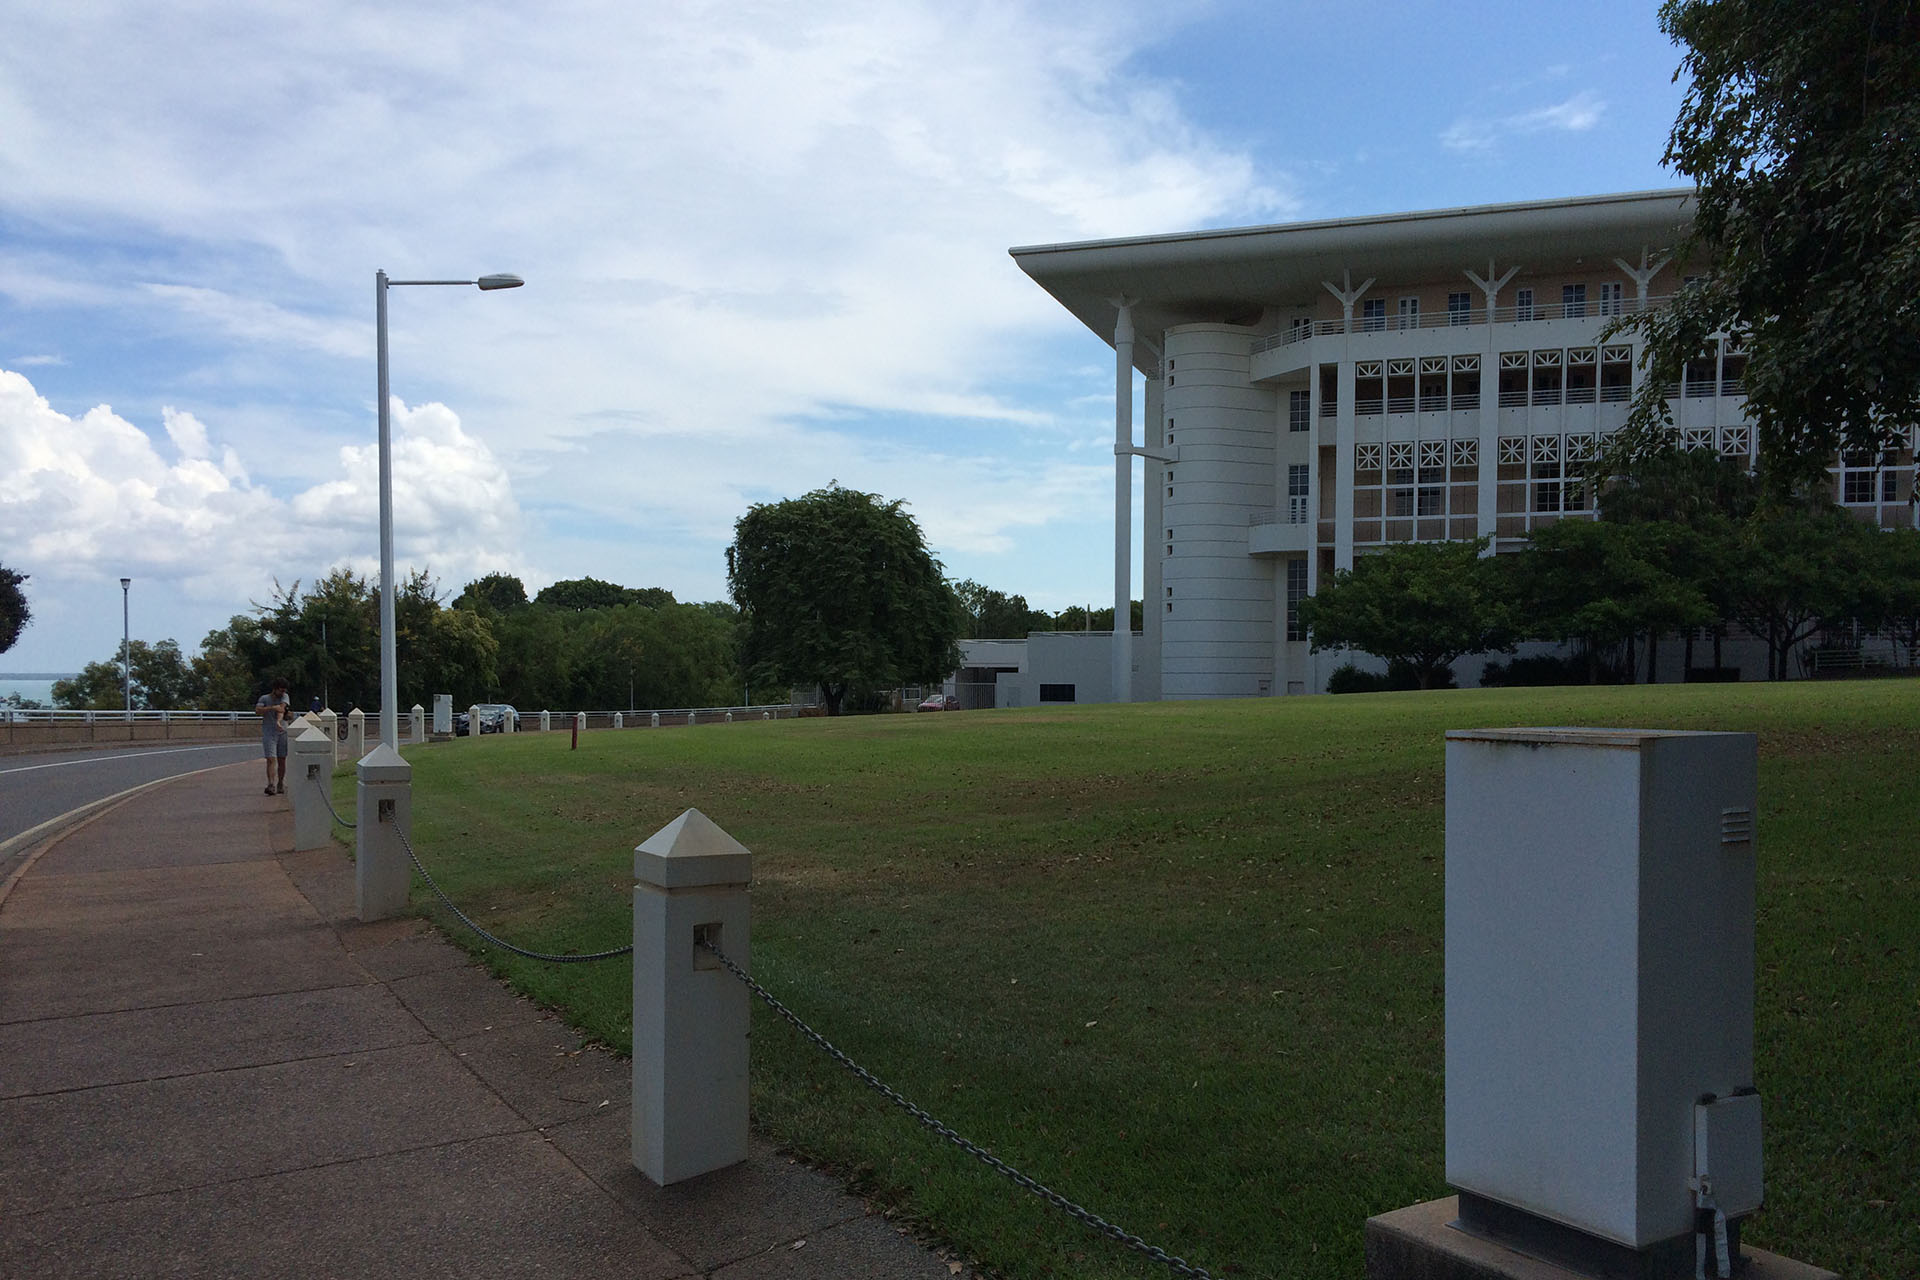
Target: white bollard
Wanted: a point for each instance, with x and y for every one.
(690, 1016)
(510, 722)
(766, 715)
(311, 769)
(382, 872)
(579, 722)
(330, 725)
(418, 723)
(619, 720)
(729, 717)
(690, 719)
(356, 733)
(546, 721)
(656, 720)
(473, 721)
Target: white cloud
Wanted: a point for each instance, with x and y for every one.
(92, 495)
(1576, 114)
(34, 362)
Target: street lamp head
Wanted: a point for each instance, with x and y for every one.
(125, 583)
(501, 281)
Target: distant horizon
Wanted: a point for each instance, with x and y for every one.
(38, 675)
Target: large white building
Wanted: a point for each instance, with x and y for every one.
(1317, 390)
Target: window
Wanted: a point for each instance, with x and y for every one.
(1523, 304)
(1433, 500)
(1612, 298)
(1373, 314)
(1296, 592)
(1409, 313)
(1889, 487)
(1459, 308)
(1297, 481)
(1857, 487)
(1573, 300)
(1298, 410)
(1056, 693)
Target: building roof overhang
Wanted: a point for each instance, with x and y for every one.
(1233, 275)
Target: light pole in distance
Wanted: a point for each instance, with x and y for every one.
(126, 640)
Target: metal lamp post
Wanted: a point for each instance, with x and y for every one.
(389, 675)
(126, 640)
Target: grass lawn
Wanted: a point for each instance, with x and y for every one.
(1182, 961)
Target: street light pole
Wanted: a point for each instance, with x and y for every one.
(126, 640)
(389, 673)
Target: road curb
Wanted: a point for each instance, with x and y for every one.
(31, 843)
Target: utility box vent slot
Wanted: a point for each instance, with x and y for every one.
(1736, 826)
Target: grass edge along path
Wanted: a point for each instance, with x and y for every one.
(1181, 961)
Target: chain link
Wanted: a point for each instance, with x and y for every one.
(326, 794)
(502, 943)
(1052, 1197)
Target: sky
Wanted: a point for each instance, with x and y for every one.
(765, 247)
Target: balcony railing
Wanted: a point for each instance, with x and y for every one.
(1455, 319)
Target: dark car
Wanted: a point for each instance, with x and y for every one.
(493, 718)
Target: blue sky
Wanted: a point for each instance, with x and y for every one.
(765, 247)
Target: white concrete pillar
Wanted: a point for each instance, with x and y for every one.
(1123, 500)
(417, 723)
(766, 715)
(690, 719)
(656, 720)
(382, 872)
(510, 722)
(546, 721)
(311, 769)
(356, 734)
(473, 721)
(690, 1016)
(330, 725)
(579, 722)
(619, 720)
(729, 717)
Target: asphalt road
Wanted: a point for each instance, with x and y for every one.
(34, 788)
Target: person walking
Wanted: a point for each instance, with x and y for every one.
(275, 708)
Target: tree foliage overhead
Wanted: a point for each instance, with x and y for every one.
(591, 593)
(1801, 129)
(497, 592)
(14, 613)
(837, 589)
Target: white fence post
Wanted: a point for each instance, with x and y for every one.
(619, 720)
(510, 722)
(546, 721)
(330, 725)
(690, 718)
(579, 722)
(473, 721)
(656, 720)
(382, 873)
(419, 723)
(356, 733)
(312, 770)
(690, 1016)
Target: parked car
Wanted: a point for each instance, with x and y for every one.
(493, 718)
(941, 702)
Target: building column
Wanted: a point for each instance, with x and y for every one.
(1123, 500)
(1152, 555)
(1487, 521)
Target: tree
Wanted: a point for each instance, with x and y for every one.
(495, 593)
(162, 681)
(1798, 127)
(1799, 571)
(591, 593)
(996, 615)
(1896, 563)
(1422, 603)
(838, 590)
(14, 613)
(1603, 583)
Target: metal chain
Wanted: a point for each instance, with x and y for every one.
(502, 943)
(327, 796)
(973, 1149)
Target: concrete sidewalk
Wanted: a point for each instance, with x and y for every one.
(208, 1067)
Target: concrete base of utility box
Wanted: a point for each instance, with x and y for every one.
(1418, 1243)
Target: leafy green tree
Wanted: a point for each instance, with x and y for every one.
(1895, 562)
(163, 680)
(591, 593)
(496, 593)
(996, 615)
(232, 665)
(1797, 572)
(1426, 604)
(1798, 127)
(14, 613)
(838, 590)
(1602, 584)
(1076, 618)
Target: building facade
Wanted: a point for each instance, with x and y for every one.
(1316, 391)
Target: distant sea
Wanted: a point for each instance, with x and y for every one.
(36, 686)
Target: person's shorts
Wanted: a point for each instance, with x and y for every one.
(273, 746)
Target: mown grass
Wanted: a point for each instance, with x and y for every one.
(1182, 961)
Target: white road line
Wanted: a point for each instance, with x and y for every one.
(130, 755)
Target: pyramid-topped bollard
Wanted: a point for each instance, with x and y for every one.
(311, 770)
(356, 733)
(417, 723)
(690, 1016)
(382, 875)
